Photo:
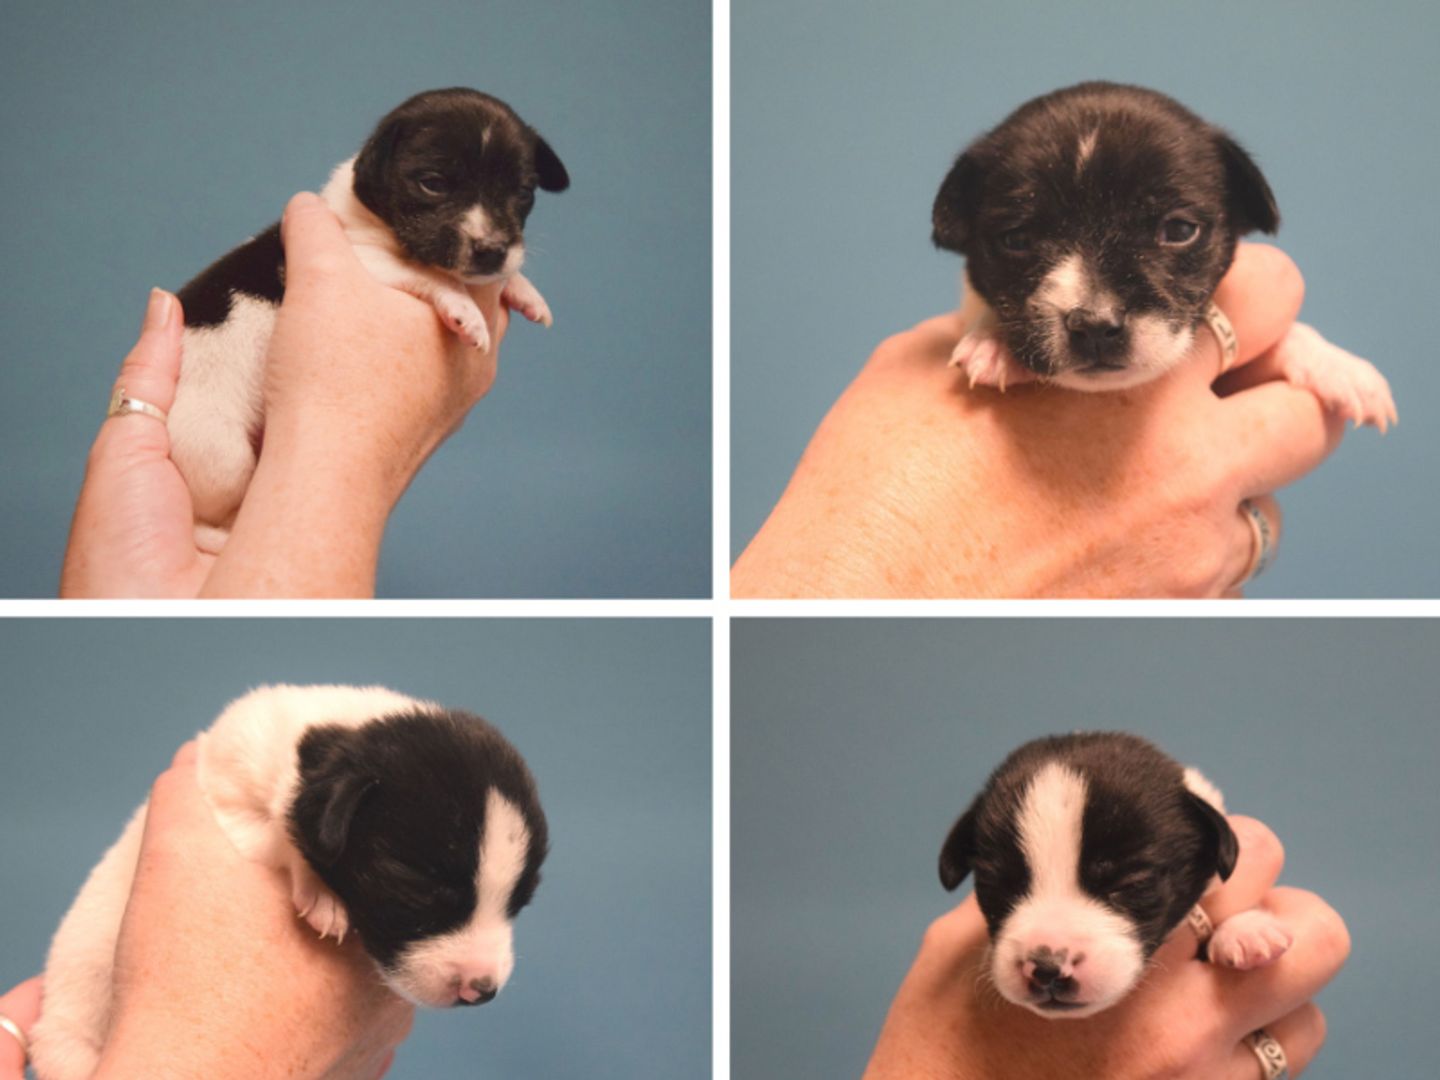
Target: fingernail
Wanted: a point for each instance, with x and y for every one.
(157, 312)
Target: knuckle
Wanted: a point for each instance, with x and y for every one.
(1259, 846)
(1332, 935)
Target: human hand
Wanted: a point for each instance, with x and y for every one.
(916, 486)
(362, 383)
(362, 371)
(1186, 1020)
(133, 532)
(21, 1006)
(216, 977)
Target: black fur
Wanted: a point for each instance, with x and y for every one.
(1152, 158)
(440, 134)
(255, 268)
(1149, 846)
(390, 815)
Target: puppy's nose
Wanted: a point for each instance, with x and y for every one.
(1051, 973)
(477, 992)
(1043, 973)
(1098, 336)
(485, 259)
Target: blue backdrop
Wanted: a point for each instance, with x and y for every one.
(612, 715)
(856, 744)
(143, 140)
(847, 114)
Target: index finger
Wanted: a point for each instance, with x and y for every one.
(22, 1006)
(1277, 434)
(313, 238)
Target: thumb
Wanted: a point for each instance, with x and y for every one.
(314, 239)
(152, 368)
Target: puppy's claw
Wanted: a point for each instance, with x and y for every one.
(520, 295)
(463, 319)
(1249, 940)
(986, 362)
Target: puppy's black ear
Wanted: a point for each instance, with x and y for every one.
(372, 164)
(548, 167)
(953, 217)
(332, 787)
(1224, 848)
(1248, 199)
(958, 850)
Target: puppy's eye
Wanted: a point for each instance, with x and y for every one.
(1017, 241)
(433, 184)
(1178, 231)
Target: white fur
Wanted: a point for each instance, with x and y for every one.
(246, 767)
(1103, 953)
(219, 401)
(1085, 149)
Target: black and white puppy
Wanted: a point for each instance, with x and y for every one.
(415, 826)
(435, 204)
(1087, 851)
(1096, 223)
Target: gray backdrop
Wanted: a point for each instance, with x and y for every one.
(613, 716)
(847, 115)
(857, 743)
(143, 140)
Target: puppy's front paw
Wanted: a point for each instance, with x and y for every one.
(1249, 940)
(1343, 382)
(464, 320)
(520, 295)
(317, 905)
(987, 362)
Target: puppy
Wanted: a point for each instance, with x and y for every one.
(435, 204)
(1087, 851)
(416, 827)
(1096, 223)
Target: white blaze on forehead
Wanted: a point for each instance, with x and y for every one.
(1050, 823)
(1064, 288)
(431, 970)
(1105, 957)
(503, 851)
(476, 224)
(1085, 149)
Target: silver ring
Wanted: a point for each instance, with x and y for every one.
(121, 403)
(1225, 334)
(1262, 548)
(1273, 1063)
(1200, 922)
(13, 1029)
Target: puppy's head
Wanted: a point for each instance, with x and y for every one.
(428, 827)
(1096, 222)
(453, 174)
(1087, 850)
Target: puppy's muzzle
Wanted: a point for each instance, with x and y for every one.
(487, 259)
(1099, 340)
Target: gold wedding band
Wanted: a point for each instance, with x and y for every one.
(121, 403)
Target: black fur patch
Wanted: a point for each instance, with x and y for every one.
(1149, 846)
(255, 268)
(1151, 158)
(391, 814)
